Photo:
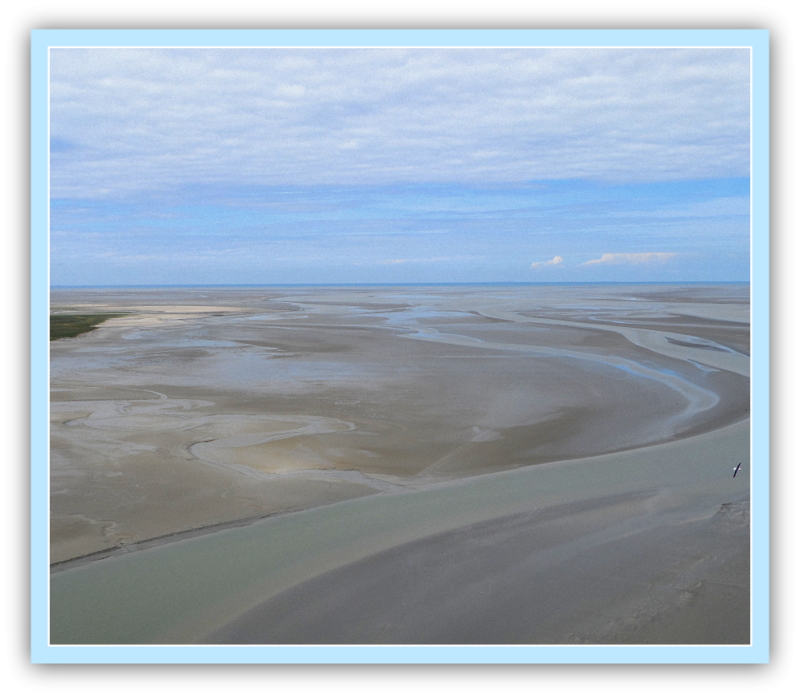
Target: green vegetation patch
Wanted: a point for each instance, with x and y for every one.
(69, 325)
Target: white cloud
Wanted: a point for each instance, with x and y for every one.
(647, 257)
(138, 119)
(555, 261)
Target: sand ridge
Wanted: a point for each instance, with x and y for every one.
(646, 493)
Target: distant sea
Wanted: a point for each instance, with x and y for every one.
(392, 285)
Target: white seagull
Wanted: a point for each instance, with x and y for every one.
(736, 470)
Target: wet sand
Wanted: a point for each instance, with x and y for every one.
(538, 577)
(212, 408)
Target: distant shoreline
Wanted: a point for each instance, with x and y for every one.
(397, 285)
(72, 325)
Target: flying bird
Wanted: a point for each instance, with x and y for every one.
(736, 470)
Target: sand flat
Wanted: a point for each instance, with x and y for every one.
(381, 418)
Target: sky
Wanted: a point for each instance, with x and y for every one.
(389, 165)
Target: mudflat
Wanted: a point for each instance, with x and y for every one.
(497, 439)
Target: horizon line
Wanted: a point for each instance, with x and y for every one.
(402, 284)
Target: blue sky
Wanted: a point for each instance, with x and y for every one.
(194, 166)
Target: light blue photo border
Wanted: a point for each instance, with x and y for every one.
(757, 652)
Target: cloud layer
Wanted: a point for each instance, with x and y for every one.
(130, 120)
(398, 165)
